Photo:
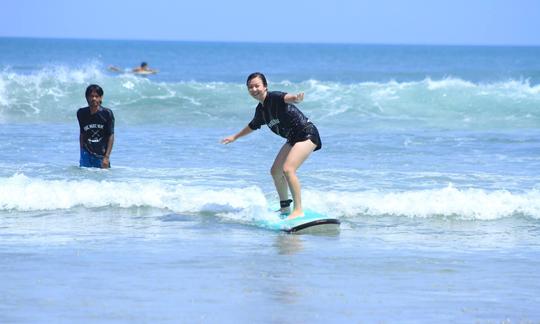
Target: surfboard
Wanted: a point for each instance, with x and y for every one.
(311, 222)
(125, 71)
(145, 72)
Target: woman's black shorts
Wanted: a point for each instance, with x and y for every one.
(309, 132)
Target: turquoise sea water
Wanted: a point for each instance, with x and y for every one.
(430, 159)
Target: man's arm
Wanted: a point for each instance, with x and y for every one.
(106, 162)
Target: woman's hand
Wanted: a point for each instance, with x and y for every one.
(297, 98)
(228, 139)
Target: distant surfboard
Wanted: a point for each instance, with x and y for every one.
(142, 72)
(145, 72)
(311, 222)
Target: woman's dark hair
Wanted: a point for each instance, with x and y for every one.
(255, 75)
(94, 87)
(143, 64)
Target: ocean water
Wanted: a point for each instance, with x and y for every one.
(430, 159)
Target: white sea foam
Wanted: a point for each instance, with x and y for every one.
(473, 204)
(22, 193)
(52, 94)
(448, 83)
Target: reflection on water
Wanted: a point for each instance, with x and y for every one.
(292, 243)
(289, 244)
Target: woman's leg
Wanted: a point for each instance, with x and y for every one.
(279, 177)
(297, 155)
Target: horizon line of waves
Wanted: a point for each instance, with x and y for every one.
(95, 72)
(53, 95)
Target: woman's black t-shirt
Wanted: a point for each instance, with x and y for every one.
(282, 118)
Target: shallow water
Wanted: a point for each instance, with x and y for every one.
(142, 266)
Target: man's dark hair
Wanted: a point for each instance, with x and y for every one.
(94, 87)
(255, 75)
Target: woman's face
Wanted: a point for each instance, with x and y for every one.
(257, 89)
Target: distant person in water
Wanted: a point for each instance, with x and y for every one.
(142, 69)
(96, 137)
(277, 110)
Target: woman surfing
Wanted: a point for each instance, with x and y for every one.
(276, 109)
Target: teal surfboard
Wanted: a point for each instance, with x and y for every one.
(310, 222)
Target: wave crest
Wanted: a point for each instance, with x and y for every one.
(22, 193)
(54, 95)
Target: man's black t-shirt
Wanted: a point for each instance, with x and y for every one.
(282, 118)
(96, 129)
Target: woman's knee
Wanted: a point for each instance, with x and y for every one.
(276, 171)
(289, 170)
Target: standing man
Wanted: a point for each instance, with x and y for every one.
(96, 125)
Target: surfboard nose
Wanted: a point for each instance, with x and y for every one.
(319, 226)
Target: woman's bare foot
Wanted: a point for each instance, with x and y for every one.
(295, 213)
